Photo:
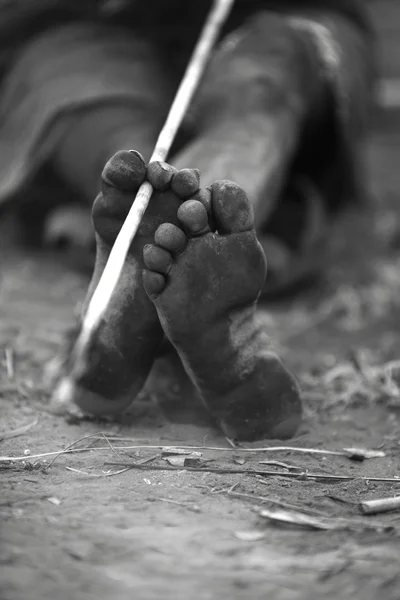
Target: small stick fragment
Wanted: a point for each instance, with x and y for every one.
(110, 445)
(67, 449)
(115, 263)
(325, 522)
(299, 518)
(231, 442)
(361, 454)
(290, 475)
(189, 505)
(277, 463)
(97, 474)
(9, 359)
(266, 500)
(374, 507)
(82, 472)
(145, 461)
(6, 435)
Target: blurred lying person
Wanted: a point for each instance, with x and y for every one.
(281, 111)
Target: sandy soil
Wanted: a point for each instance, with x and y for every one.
(179, 534)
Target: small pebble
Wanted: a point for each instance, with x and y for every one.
(54, 500)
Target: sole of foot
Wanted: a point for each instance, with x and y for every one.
(204, 278)
(123, 349)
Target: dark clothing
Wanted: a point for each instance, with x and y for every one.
(57, 56)
(175, 23)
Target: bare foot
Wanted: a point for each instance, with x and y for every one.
(205, 286)
(126, 345)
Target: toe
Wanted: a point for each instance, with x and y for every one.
(125, 171)
(157, 259)
(121, 179)
(171, 238)
(230, 207)
(160, 174)
(204, 196)
(153, 283)
(186, 182)
(193, 216)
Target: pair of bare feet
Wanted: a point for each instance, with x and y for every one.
(193, 275)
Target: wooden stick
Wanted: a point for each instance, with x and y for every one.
(301, 476)
(373, 507)
(115, 263)
(69, 449)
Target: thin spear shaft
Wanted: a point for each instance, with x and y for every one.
(112, 271)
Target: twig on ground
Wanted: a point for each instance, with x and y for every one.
(110, 445)
(82, 472)
(321, 522)
(266, 500)
(299, 518)
(69, 448)
(223, 490)
(145, 461)
(214, 490)
(349, 452)
(116, 472)
(231, 489)
(277, 463)
(140, 462)
(224, 471)
(361, 454)
(188, 505)
(98, 474)
(373, 507)
(9, 361)
(250, 536)
(12, 433)
(231, 443)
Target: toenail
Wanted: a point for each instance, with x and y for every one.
(138, 154)
(160, 174)
(186, 182)
(125, 170)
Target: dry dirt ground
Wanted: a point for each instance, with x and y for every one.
(70, 531)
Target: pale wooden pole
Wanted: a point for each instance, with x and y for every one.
(112, 271)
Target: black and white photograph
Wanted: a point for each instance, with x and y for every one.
(199, 299)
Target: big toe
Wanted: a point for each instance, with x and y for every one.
(231, 208)
(121, 179)
(125, 170)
